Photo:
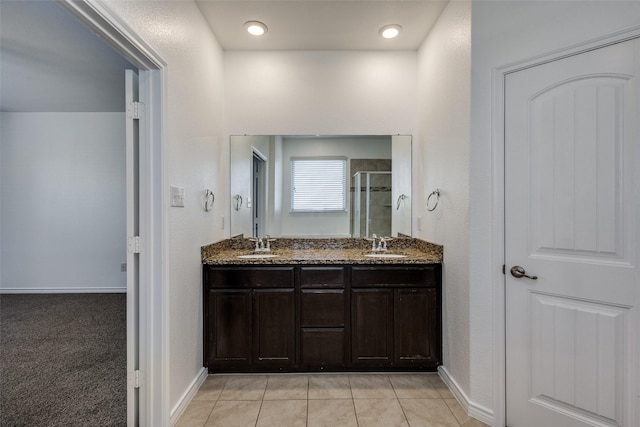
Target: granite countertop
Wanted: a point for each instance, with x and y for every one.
(321, 251)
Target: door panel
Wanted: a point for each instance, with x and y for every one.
(572, 168)
(133, 259)
(273, 325)
(372, 327)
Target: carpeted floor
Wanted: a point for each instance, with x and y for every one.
(63, 360)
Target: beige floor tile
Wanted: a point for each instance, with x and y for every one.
(460, 414)
(211, 388)
(244, 387)
(279, 413)
(229, 413)
(474, 423)
(442, 388)
(428, 413)
(196, 414)
(457, 411)
(413, 387)
(287, 387)
(371, 387)
(332, 413)
(379, 413)
(329, 387)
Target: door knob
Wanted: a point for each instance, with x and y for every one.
(518, 272)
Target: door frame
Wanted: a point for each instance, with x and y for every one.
(498, 278)
(153, 322)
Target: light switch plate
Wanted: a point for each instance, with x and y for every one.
(177, 196)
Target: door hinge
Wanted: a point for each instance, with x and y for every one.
(135, 110)
(136, 379)
(133, 245)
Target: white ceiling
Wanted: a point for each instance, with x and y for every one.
(321, 24)
(50, 62)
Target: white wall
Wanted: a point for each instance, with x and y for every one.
(63, 202)
(441, 160)
(320, 93)
(503, 33)
(195, 159)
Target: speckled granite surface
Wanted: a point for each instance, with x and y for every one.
(321, 251)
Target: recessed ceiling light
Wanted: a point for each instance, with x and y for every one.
(255, 28)
(390, 31)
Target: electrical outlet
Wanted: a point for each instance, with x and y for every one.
(123, 266)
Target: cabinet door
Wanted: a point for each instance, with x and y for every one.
(228, 330)
(372, 327)
(417, 327)
(273, 328)
(322, 348)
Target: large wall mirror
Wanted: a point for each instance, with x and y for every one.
(320, 186)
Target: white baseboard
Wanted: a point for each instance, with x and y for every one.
(187, 396)
(79, 290)
(474, 410)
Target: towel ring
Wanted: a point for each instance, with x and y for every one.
(209, 199)
(436, 193)
(400, 199)
(237, 202)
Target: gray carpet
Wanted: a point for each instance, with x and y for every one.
(63, 360)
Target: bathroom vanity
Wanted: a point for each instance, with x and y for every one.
(322, 305)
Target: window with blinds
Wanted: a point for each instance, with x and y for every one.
(318, 184)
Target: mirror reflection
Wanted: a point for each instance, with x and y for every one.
(320, 186)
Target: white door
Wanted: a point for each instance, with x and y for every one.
(572, 218)
(133, 261)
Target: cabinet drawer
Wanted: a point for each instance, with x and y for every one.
(322, 307)
(396, 276)
(248, 277)
(322, 277)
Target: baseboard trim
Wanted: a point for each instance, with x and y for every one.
(474, 410)
(187, 397)
(85, 290)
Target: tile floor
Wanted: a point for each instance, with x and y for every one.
(332, 400)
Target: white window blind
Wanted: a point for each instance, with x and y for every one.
(318, 184)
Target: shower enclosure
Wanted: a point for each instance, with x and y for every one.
(371, 203)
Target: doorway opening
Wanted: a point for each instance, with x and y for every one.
(146, 342)
(259, 193)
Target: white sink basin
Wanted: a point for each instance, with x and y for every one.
(383, 255)
(257, 256)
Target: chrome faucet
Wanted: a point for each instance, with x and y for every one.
(263, 244)
(379, 243)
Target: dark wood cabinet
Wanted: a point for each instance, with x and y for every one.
(372, 327)
(273, 326)
(416, 327)
(322, 317)
(249, 318)
(228, 329)
(396, 316)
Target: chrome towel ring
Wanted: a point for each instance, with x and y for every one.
(237, 202)
(209, 198)
(436, 193)
(400, 199)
